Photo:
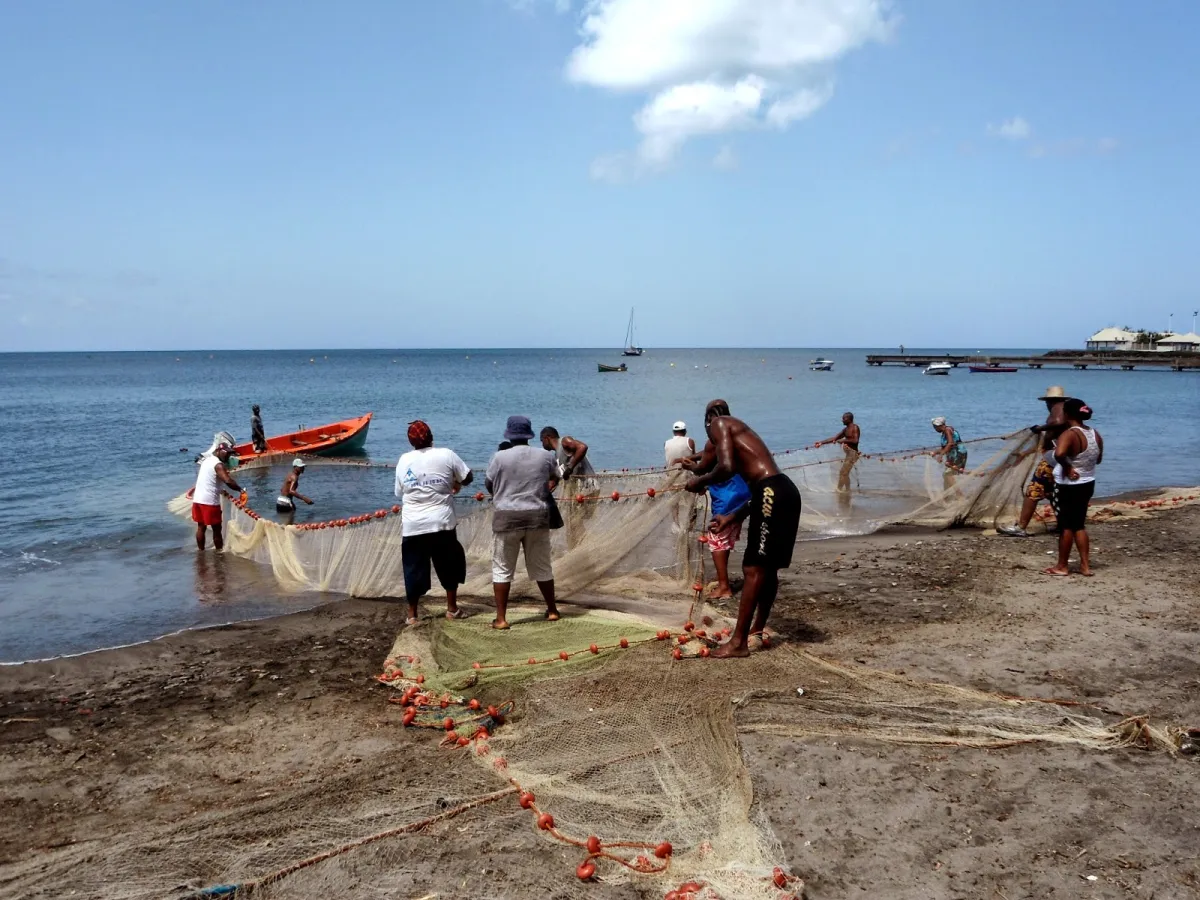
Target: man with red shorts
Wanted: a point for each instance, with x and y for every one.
(206, 495)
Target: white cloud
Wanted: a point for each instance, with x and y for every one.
(725, 160)
(715, 66)
(1014, 129)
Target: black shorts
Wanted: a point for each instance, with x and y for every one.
(440, 549)
(774, 521)
(1073, 502)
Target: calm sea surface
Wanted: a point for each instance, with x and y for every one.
(89, 556)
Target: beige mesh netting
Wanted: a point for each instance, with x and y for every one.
(611, 739)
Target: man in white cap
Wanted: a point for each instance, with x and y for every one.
(1041, 486)
(680, 446)
(206, 495)
(286, 502)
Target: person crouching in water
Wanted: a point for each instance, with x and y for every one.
(286, 502)
(1076, 454)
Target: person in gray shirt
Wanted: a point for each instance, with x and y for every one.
(521, 481)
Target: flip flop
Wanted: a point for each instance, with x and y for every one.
(499, 627)
(1051, 571)
(457, 614)
(411, 621)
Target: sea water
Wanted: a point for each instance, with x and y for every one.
(96, 443)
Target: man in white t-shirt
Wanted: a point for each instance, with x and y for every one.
(680, 446)
(427, 478)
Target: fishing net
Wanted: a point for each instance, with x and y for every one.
(633, 533)
(611, 730)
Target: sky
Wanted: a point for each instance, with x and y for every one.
(509, 173)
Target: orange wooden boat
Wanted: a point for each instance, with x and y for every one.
(336, 439)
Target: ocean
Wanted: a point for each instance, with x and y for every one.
(96, 443)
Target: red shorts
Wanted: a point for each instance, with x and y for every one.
(725, 538)
(203, 514)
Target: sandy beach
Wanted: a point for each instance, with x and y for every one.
(276, 733)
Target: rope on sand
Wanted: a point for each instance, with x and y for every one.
(248, 887)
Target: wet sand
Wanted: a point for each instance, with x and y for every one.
(246, 733)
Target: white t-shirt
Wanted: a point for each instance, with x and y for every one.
(208, 486)
(678, 447)
(425, 481)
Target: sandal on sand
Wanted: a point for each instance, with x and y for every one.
(412, 621)
(1051, 571)
(457, 614)
(500, 627)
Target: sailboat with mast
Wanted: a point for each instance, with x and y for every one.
(631, 347)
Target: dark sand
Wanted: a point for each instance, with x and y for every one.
(248, 729)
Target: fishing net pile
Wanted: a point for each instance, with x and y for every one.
(609, 734)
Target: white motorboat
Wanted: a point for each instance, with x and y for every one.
(938, 368)
(820, 365)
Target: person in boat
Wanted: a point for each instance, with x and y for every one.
(1077, 452)
(953, 452)
(290, 492)
(848, 437)
(679, 445)
(206, 495)
(1041, 486)
(773, 510)
(521, 481)
(726, 500)
(427, 478)
(258, 437)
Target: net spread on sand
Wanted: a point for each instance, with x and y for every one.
(600, 721)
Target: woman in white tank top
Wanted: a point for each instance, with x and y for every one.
(1076, 454)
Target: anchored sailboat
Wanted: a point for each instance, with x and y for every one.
(631, 349)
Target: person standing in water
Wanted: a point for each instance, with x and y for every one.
(286, 502)
(206, 495)
(1077, 452)
(679, 446)
(774, 512)
(848, 437)
(258, 437)
(952, 454)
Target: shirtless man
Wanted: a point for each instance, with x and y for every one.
(774, 512)
(286, 503)
(848, 437)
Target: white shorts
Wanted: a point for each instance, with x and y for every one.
(506, 547)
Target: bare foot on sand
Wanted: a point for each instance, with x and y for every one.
(500, 624)
(1055, 570)
(552, 615)
(728, 651)
(720, 594)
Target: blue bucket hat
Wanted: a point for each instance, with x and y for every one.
(518, 429)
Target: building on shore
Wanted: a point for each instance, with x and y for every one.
(1153, 341)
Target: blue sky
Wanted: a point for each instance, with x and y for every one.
(495, 173)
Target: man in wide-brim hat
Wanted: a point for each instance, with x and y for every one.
(1041, 485)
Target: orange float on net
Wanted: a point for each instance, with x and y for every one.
(585, 871)
(420, 679)
(473, 703)
(594, 648)
(448, 723)
(475, 665)
(479, 496)
(697, 586)
(663, 850)
(677, 653)
(532, 661)
(462, 741)
(409, 715)
(663, 635)
(683, 638)
(689, 626)
(396, 508)
(650, 493)
(545, 821)
(526, 799)
(593, 844)
(616, 495)
(779, 877)
(704, 651)
(579, 498)
(624, 643)
(564, 655)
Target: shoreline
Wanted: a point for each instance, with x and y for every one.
(270, 733)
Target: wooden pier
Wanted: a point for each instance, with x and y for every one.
(1075, 359)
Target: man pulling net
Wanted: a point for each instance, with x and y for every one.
(774, 512)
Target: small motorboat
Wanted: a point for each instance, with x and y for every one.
(988, 370)
(336, 439)
(938, 368)
(603, 367)
(820, 365)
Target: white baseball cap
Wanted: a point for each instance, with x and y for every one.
(297, 463)
(679, 426)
